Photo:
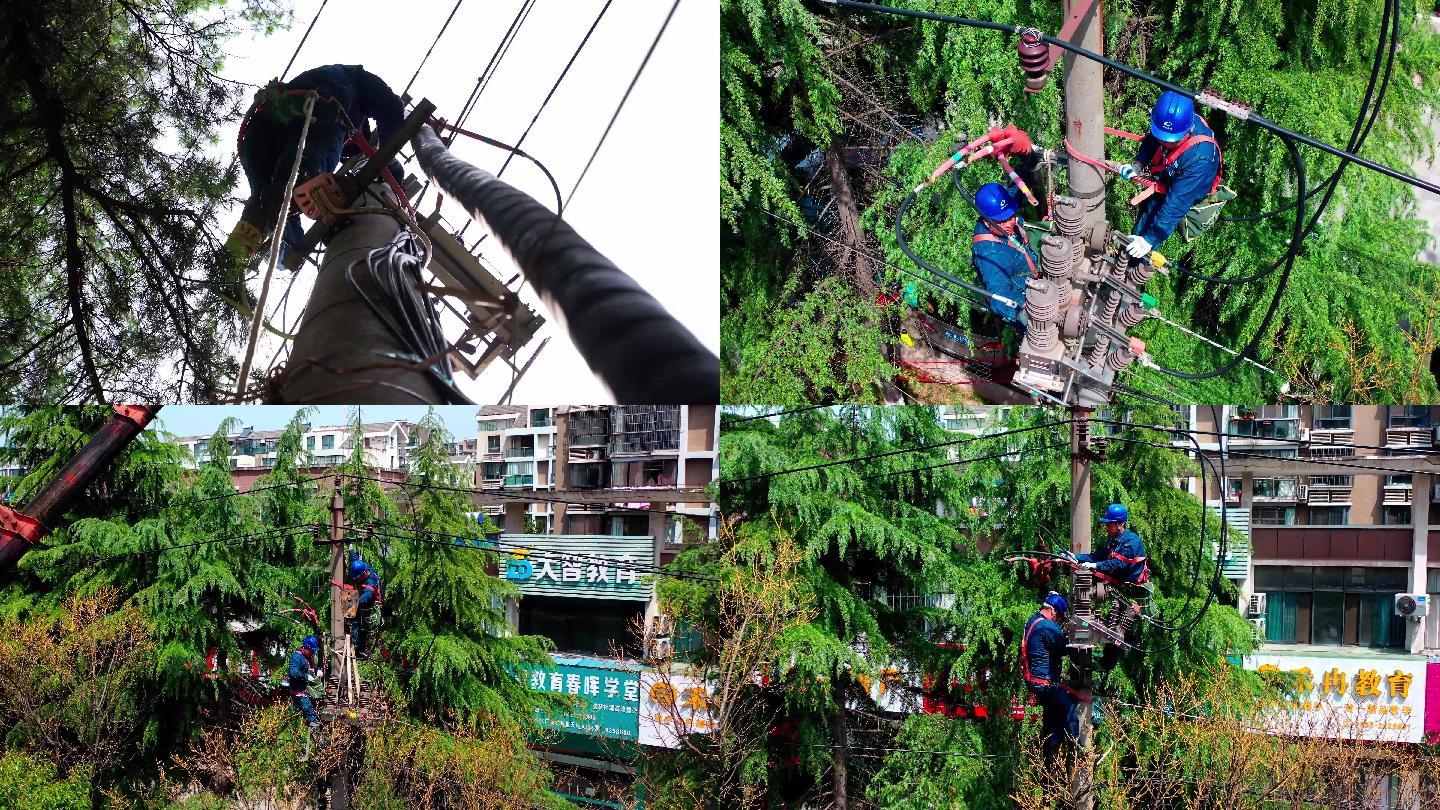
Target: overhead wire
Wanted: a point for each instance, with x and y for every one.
(431, 49)
(313, 20)
(501, 49)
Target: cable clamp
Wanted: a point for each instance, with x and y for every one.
(1213, 100)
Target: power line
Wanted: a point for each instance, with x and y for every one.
(636, 78)
(435, 42)
(313, 20)
(1250, 116)
(502, 48)
(887, 454)
(777, 413)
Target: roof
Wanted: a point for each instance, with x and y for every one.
(502, 410)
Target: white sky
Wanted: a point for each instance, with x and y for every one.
(648, 202)
(201, 420)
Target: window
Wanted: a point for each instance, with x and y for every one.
(1281, 488)
(1272, 515)
(1332, 452)
(1432, 627)
(1397, 480)
(310, 443)
(1332, 417)
(1397, 516)
(540, 417)
(1333, 605)
(1409, 416)
(327, 442)
(492, 444)
(1329, 515)
(1233, 488)
(1272, 452)
(1337, 481)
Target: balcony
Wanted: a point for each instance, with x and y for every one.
(1397, 494)
(1327, 496)
(1276, 490)
(1279, 430)
(519, 480)
(1407, 437)
(1332, 436)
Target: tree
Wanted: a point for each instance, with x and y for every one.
(449, 620)
(823, 106)
(109, 282)
(904, 529)
(758, 601)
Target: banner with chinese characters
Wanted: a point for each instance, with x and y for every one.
(609, 691)
(583, 566)
(673, 706)
(1348, 698)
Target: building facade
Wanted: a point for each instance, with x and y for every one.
(386, 444)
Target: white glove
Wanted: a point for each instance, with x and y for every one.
(1139, 247)
(1129, 170)
(1088, 566)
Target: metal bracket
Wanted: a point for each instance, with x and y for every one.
(139, 414)
(21, 525)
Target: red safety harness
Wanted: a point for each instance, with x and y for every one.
(1140, 580)
(1012, 242)
(1025, 658)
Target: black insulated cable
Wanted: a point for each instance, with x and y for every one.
(636, 348)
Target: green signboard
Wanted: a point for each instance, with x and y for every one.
(576, 565)
(609, 691)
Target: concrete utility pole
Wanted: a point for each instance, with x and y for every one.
(340, 782)
(1085, 113)
(1083, 592)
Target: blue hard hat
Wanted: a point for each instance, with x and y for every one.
(1172, 117)
(1116, 513)
(1056, 601)
(310, 643)
(995, 202)
(358, 568)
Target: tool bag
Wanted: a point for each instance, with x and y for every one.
(1204, 214)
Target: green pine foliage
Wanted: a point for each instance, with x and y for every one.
(1357, 321)
(911, 524)
(31, 783)
(449, 621)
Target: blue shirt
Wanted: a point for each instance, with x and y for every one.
(1002, 267)
(299, 673)
(1044, 647)
(1126, 544)
(362, 94)
(1188, 181)
(369, 588)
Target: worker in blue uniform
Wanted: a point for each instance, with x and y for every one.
(299, 676)
(362, 576)
(267, 152)
(1042, 647)
(1181, 154)
(1001, 253)
(1122, 558)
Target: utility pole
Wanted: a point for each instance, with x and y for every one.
(1085, 114)
(1083, 592)
(338, 663)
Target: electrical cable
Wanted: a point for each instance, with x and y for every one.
(313, 20)
(889, 453)
(1357, 138)
(501, 49)
(534, 496)
(633, 80)
(431, 50)
(1250, 116)
(905, 246)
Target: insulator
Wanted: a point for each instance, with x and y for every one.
(1041, 337)
(1119, 358)
(1034, 56)
(1056, 256)
(1111, 308)
(1130, 314)
(1139, 273)
(1096, 356)
(1042, 299)
(1067, 217)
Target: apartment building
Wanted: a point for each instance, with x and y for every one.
(386, 445)
(515, 452)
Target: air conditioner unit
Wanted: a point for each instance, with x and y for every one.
(1412, 605)
(1302, 492)
(1257, 606)
(1259, 626)
(1304, 434)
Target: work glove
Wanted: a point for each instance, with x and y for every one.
(1088, 566)
(1139, 247)
(1129, 171)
